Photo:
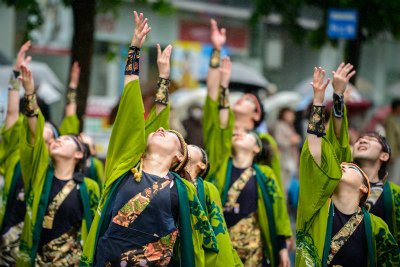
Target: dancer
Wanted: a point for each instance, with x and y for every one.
(144, 206)
(254, 205)
(371, 152)
(60, 201)
(333, 228)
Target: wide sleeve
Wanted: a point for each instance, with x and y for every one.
(10, 138)
(127, 141)
(154, 121)
(340, 145)
(387, 250)
(317, 182)
(70, 125)
(217, 140)
(99, 168)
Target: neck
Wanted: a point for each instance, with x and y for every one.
(242, 159)
(371, 169)
(64, 169)
(243, 122)
(345, 199)
(156, 164)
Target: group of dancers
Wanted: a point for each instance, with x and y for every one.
(162, 202)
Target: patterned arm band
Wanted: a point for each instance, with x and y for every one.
(215, 58)
(338, 106)
(223, 98)
(316, 123)
(71, 95)
(162, 91)
(31, 106)
(132, 62)
(14, 83)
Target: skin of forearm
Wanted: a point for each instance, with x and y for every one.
(337, 125)
(12, 108)
(213, 81)
(223, 118)
(32, 122)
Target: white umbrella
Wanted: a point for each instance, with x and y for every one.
(274, 103)
(245, 74)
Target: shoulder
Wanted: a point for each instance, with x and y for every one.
(394, 187)
(378, 224)
(91, 184)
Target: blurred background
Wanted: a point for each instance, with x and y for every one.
(274, 46)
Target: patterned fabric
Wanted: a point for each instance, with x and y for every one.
(56, 203)
(387, 252)
(235, 190)
(9, 245)
(154, 254)
(343, 235)
(316, 122)
(246, 239)
(65, 250)
(396, 212)
(131, 210)
(376, 192)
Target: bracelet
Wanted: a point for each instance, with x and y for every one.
(223, 101)
(316, 123)
(132, 62)
(338, 106)
(162, 91)
(215, 58)
(31, 106)
(71, 95)
(14, 83)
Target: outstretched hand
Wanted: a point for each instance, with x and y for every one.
(27, 80)
(319, 86)
(218, 37)
(21, 59)
(74, 75)
(141, 30)
(225, 70)
(341, 77)
(163, 61)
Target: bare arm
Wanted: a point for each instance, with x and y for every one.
(340, 81)
(314, 139)
(139, 36)
(31, 107)
(218, 39)
(13, 90)
(164, 67)
(70, 107)
(225, 70)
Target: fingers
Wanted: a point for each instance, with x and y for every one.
(351, 74)
(213, 25)
(25, 47)
(326, 83)
(27, 60)
(167, 52)
(223, 31)
(158, 51)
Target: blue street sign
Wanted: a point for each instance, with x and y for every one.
(342, 23)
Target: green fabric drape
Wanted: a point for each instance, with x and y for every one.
(37, 176)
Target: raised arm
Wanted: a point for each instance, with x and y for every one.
(139, 36)
(223, 99)
(218, 39)
(164, 67)
(70, 107)
(127, 141)
(316, 125)
(14, 86)
(340, 81)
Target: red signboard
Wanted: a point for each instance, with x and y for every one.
(200, 32)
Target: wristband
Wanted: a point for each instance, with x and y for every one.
(14, 83)
(162, 91)
(215, 58)
(132, 62)
(316, 123)
(338, 106)
(31, 106)
(223, 101)
(71, 95)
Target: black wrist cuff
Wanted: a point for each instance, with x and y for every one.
(132, 62)
(338, 106)
(223, 101)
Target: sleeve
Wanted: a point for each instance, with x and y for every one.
(70, 125)
(217, 141)
(10, 138)
(387, 250)
(341, 146)
(94, 195)
(127, 141)
(154, 121)
(99, 167)
(34, 157)
(317, 182)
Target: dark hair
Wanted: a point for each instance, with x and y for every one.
(395, 103)
(204, 159)
(262, 111)
(84, 148)
(265, 155)
(283, 111)
(54, 129)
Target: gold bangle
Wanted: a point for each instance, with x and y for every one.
(215, 58)
(162, 91)
(71, 96)
(30, 105)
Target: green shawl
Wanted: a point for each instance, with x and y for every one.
(70, 125)
(272, 217)
(37, 175)
(126, 147)
(391, 191)
(314, 216)
(211, 202)
(96, 171)
(10, 165)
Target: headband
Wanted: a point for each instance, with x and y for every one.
(180, 166)
(360, 171)
(53, 129)
(256, 102)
